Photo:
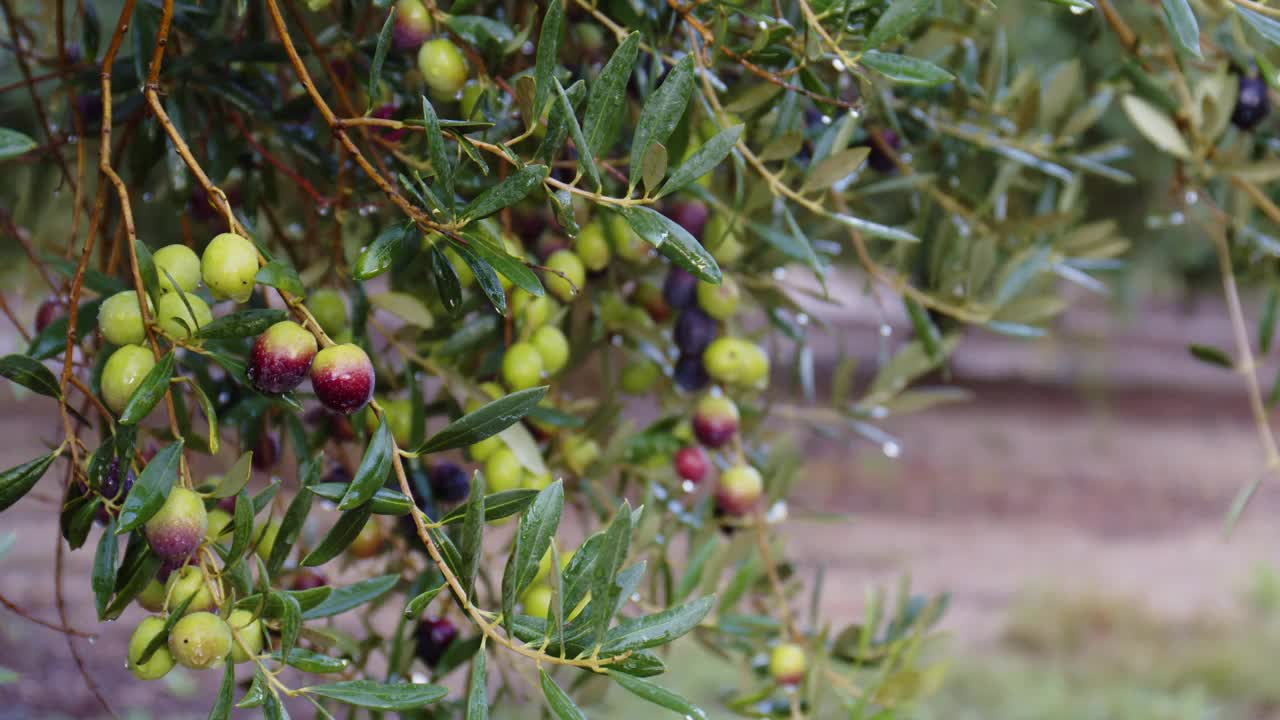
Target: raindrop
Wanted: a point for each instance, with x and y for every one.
(763, 25)
(635, 597)
(826, 119)
(146, 197)
(688, 486)
(855, 113)
(779, 274)
(839, 66)
(616, 341)
(885, 330)
(1177, 218)
(879, 412)
(1080, 9)
(891, 449)
(802, 319)
(777, 512)
(527, 48)
(1192, 197)
(675, 507)
(93, 639)
(72, 139)
(323, 210)
(659, 492)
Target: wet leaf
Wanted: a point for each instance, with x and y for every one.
(31, 374)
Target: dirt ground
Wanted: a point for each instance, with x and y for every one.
(1038, 485)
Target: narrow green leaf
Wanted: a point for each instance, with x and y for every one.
(900, 16)
(497, 506)
(379, 696)
(391, 247)
(373, 470)
(485, 276)
(290, 528)
(223, 703)
(280, 275)
(420, 602)
(274, 605)
(673, 241)
(657, 629)
(657, 695)
(926, 332)
(1267, 322)
(833, 168)
(380, 55)
(477, 689)
(510, 191)
(149, 392)
(558, 123)
(151, 489)
(18, 481)
(342, 599)
(906, 70)
(235, 478)
(103, 577)
(448, 286)
(1267, 27)
(579, 575)
(703, 160)
(340, 536)
(290, 623)
(661, 113)
(313, 662)
(604, 573)
(241, 529)
(440, 164)
(548, 52)
(448, 551)
(1211, 355)
(14, 143)
(245, 323)
(257, 693)
(386, 501)
(586, 161)
(31, 374)
(210, 415)
(472, 541)
(486, 421)
(654, 168)
(533, 537)
(875, 229)
(562, 706)
(1181, 20)
(607, 99)
(492, 251)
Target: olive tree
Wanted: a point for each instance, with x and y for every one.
(484, 266)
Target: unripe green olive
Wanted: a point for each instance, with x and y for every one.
(249, 630)
(160, 662)
(152, 596)
(460, 267)
(503, 471)
(755, 366)
(735, 361)
(575, 275)
(536, 600)
(266, 538)
(120, 319)
(533, 312)
(787, 664)
(329, 309)
(399, 415)
(122, 374)
(180, 263)
(722, 239)
(200, 641)
(552, 346)
(220, 525)
(639, 377)
(626, 243)
(579, 453)
(369, 541)
(536, 481)
(521, 366)
(484, 449)
(229, 266)
(469, 104)
(719, 301)
(176, 320)
(189, 582)
(442, 66)
(592, 246)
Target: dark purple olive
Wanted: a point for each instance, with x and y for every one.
(879, 160)
(694, 331)
(690, 374)
(680, 289)
(1252, 103)
(434, 636)
(449, 482)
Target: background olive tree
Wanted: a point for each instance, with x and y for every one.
(542, 261)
